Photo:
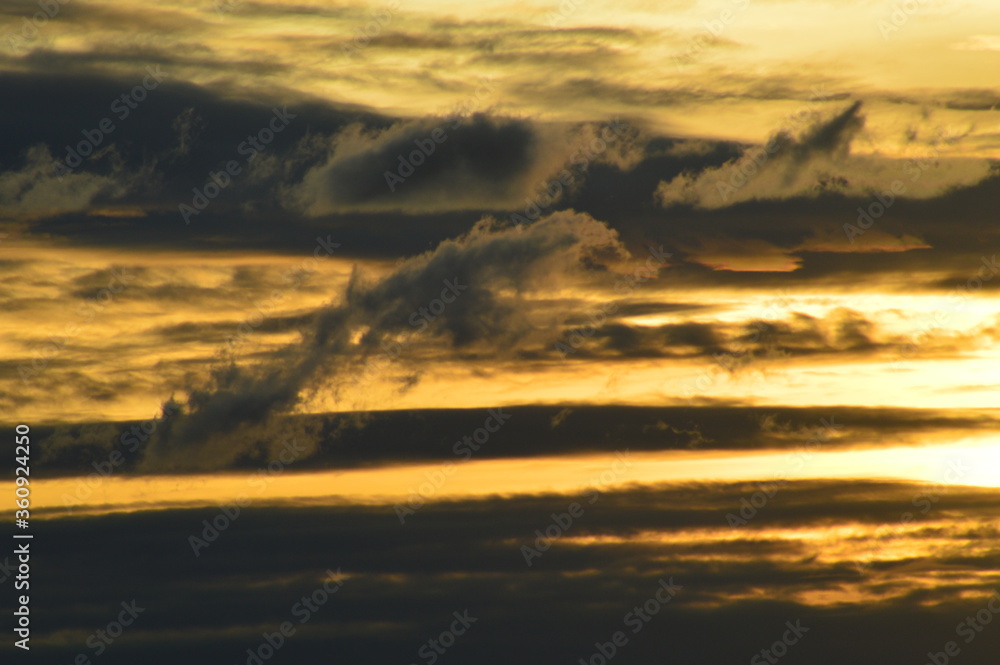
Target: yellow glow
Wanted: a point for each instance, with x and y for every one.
(972, 463)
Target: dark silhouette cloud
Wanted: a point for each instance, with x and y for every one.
(466, 277)
(404, 581)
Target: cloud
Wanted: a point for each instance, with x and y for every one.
(437, 165)
(406, 580)
(367, 439)
(839, 331)
(979, 43)
(482, 276)
(37, 191)
(819, 161)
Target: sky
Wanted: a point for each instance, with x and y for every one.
(498, 326)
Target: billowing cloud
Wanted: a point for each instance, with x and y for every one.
(37, 190)
(819, 161)
(471, 290)
(475, 163)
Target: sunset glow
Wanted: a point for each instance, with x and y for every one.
(435, 332)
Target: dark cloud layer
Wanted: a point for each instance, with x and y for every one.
(452, 164)
(336, 159)
(389, 437)
(406, 580)
(170, 144)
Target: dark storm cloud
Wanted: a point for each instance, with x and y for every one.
(404, 581)
(175, 136)
(181, 133)
(474, 162)
(389, 437)
(450, 164)
(166, 148)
